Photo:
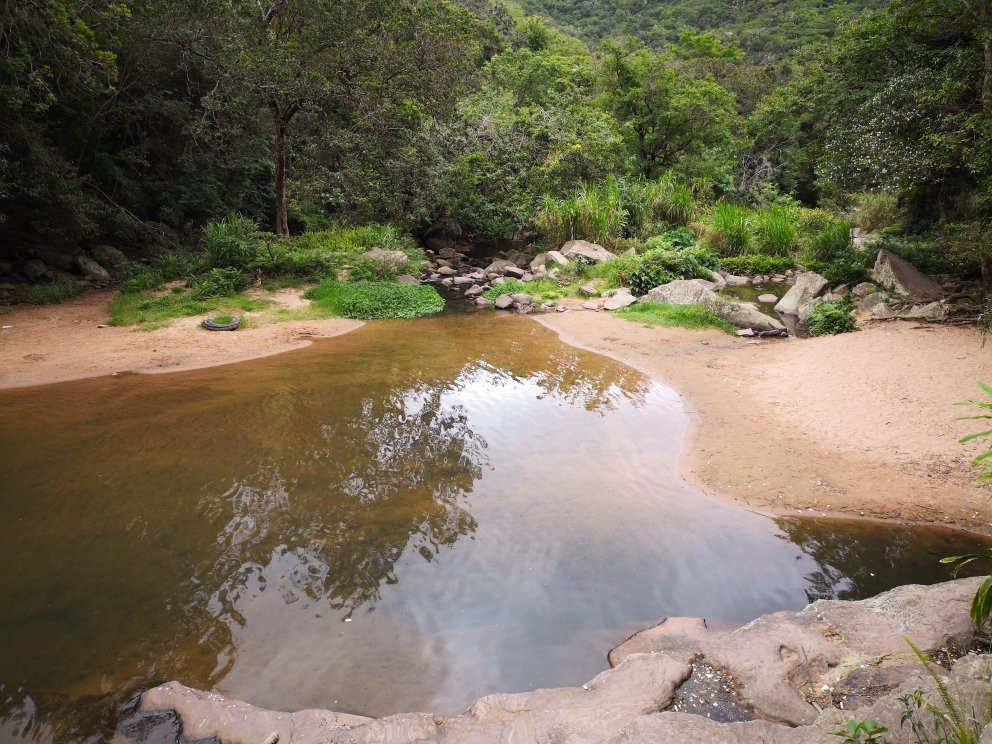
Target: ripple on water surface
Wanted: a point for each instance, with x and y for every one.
(406, 517)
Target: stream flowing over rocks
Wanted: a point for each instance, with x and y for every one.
(787, 677)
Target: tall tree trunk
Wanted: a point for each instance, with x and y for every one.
(281, 156)
(985, 25)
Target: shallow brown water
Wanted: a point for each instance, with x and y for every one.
(406, 517)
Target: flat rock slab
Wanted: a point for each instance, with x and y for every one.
(781, 661)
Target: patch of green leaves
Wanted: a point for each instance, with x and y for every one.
(371, 300)
(53, 292)
(831, 318)
(680, 316)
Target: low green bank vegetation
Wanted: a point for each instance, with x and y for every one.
(371, 300)
(681, 316)
(53, 292)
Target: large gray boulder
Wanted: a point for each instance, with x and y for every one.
(33, 269)
(903, 278)
(684, 292)
(392, 259)
(808, 286)
(109, 258)
(500, 265)
(592, 252)
(65, 260)
(91, 269)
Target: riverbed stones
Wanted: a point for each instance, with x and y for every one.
(462, 280)
(903, 278)
(808, 286)
(589, 290)
(767, 299)
(60, 259)
(867, 302)
(522, 299)
(746, 315)
(515, 272)
(407, 279)
(483, 302)
(503, 302)
(590, 305)
(474, 290)
(500, 265)
(446, 271)
(591, 252)
(735, 281)
(864, 289)
(788, 667)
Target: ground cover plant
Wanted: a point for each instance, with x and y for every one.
(370, 300)
(53, 292)
(679, 316)
(832, 317)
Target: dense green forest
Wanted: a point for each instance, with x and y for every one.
(138, 122)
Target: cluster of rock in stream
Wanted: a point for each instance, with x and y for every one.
(788, 677)
(898, 290)
(97, 267)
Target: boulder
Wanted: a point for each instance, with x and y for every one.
(91, 269)
(590, 305)
(735, 281)
(33, 269)
(622, 298)
(864, 289)
(684, 292)
(882, 311)
(113, 260)
(503, 302)
(407, 279)
(474, 290)
(746, 315)
(439, 243)
(583, 249)
(515, 271)
(450, 253)
(546, 259)
(497, 266)
(768, 299)
(446, 271)
(808, 285)
(903, 278)
(745, 333)
(867, 302)
(527, 277)
(392, 259)
(522, 299)
(463, 280)
(519, 259)
(932, 311)
(65, 260)
(589, 290)
(483, 302)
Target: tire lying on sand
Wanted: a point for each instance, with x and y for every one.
(210, 325)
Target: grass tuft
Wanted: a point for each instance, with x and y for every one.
(58, 290)
(680, 316)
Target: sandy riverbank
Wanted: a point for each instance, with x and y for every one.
(56, 343)
(859, 424)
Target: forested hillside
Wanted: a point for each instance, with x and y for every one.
(764, 29)
(139, 122)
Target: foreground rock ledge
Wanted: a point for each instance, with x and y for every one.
(802, 673)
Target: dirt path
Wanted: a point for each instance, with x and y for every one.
(858, 424)
(55, 343)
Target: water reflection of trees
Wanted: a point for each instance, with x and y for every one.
(860, 559)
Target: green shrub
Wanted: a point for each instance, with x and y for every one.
(829, 241)
(594, 212)
(368, 270)
(728, 231)
(876, 210)
(231, 242)
(932, 255)
(369, 300)
(682, 316)
(218, 283)
(617, 270)
(669, 200)
(181, 265)
(645, 278)
(327, 252)
(692, 263)
(680, 237)
(142, 282)
(774, 231)
(53, 292)
(831, 318)
(752, 264)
